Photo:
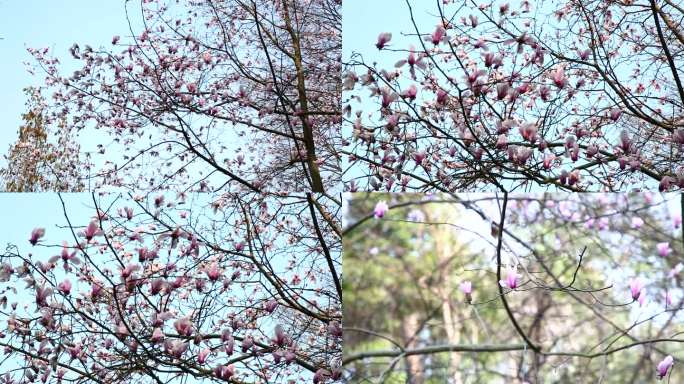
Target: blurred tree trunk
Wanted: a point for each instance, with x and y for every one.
(414, 364)
(446, 288)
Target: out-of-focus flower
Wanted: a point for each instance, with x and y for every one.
(381, 209)
(664, 365)
(635, 287)
(663, 249)
(511, 278)
(467, 289)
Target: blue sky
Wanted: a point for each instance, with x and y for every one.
(363, 21)
(55, 24)
(25, 211)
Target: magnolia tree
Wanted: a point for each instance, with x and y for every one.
(553, 288)
(160, 289)
(566, 95)
(213, 94)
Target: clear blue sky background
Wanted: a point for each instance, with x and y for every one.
(25, 211)
(55, 24)
(363, 21)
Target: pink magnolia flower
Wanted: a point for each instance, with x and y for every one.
(202, 356)
(213, 272)
(224, 372)
(438, 35)
(665, 183)
(280, 336)
(175, 348)
(678, 136)
(410, 93)
(511, 278)
(392, 121)
(65, 287)
(502, 141)
(290, 356)
(183, 326)
(664, 365)
(387, 97)
(544, 93)
(668, 299)
(663, 249)
(635, 287)
(129, 270)
(381, 209)
(321, 376)
(36, 234)
(228, 341)
(157, 285)
(412, 61)
(76, 351)
(418, 157)
(247, 343)
(493, 60)
(502, 91)
(615, 114)
(548, 160)
(677, 221)
(558, 77)
(239, 246)
(529, 132)
(115, 40)
(271, 305)
(42, 293)
(467, 289)
(583, 55)
(637, 222)
(157, 335)
(442, 97)
(95, 291)
(66, 256)
(383, 39)
(92, 230)
(335, 329)
(207, 57)
(129, 213)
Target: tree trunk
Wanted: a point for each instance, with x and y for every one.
(414, 364)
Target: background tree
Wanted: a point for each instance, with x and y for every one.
(45, 157)
(567, 95)
(596, 295)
